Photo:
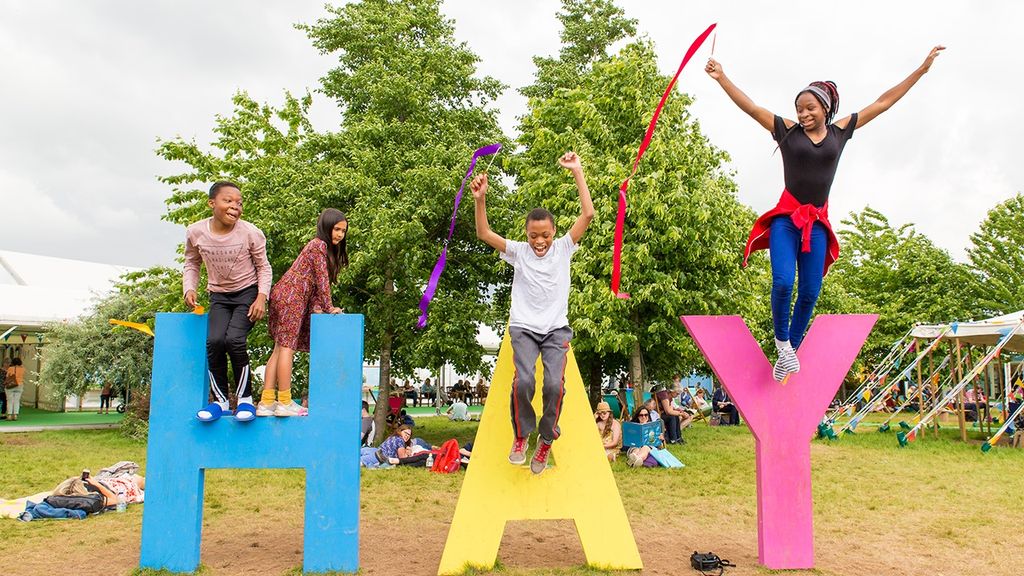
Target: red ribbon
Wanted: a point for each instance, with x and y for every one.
(620, 218)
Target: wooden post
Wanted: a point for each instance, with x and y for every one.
(960, 395)
(920, 393)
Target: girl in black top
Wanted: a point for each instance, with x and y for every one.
(796, 231)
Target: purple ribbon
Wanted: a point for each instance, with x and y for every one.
(428, 293)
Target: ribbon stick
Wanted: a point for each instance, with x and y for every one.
(620, 219)
(145, 329)
(428, 292)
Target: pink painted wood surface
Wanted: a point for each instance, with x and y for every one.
(783, 418)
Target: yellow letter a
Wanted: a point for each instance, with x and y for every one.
(579, 487)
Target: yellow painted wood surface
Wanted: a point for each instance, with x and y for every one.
(579, 486)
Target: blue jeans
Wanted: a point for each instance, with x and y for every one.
(784, 247)
(44, 510)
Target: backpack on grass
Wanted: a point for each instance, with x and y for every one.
(447, 459)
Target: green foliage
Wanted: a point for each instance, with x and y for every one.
(589, 28)
(684, 230)
(88, 352)
(997, 255)
(900, 275)
(413, 114)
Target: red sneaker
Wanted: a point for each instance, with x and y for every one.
(540, 457)
(517, 455)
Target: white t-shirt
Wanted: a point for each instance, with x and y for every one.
(459, 411)
(540, 285)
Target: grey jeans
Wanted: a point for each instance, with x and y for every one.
(553, 348)
(14, 400)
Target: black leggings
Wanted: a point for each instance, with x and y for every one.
(104, 401)
(228, 329)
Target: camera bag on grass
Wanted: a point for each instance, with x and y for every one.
(705, 562)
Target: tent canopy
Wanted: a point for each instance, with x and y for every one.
(981, 333)
(37, 289)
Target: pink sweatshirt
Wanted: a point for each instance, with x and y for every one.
(234, 261)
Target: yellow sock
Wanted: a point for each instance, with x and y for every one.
(284, 396)
(267, 397)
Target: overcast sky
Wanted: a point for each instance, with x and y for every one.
(89, 87)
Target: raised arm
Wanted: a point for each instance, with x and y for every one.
(762, 115)
(571, 162)
(483, 230)
(892, 95)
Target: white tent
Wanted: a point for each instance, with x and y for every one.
(982, 333)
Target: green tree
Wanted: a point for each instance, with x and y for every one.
(997, 255)
(902, 276)
(685, 228)
(89, 352)
(589, 28)
(414, 112)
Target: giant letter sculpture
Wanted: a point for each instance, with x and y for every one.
(782, 418)
(579, 487)
(325, 444)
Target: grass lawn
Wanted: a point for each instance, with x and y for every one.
(33, 417)
(936, 507)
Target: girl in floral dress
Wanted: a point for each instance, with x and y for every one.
(305, 289)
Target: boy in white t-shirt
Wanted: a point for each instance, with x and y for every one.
(538, 322)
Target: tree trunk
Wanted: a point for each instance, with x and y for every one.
(595, 380)
(636, 373)
(381, 409)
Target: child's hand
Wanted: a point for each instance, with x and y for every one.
(479, 186)
(258, 308)
(931, 57)
(570, 161)
(714, 69)
(336, 310)
(190, 298)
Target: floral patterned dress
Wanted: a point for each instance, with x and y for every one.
(303, 289)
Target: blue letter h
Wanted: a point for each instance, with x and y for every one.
(325, 443)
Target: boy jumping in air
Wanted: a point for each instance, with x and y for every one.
(538, 323)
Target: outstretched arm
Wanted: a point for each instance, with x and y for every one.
(892, 95)
(571, 162)
(762, 115)
(483, 230)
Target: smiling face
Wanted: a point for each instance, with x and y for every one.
(540, 234)
(809, 112)
(603, 415)
(226, 206)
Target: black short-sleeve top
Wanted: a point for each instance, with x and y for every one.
(810, 168)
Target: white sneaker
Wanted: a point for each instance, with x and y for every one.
(290, 409)
(266, 409)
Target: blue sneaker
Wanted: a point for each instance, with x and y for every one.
(211, 413)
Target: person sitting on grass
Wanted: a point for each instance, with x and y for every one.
(637, 456)
(652, 409)
(458, 411)
(368, 426)
(390, 450)
(610, 430)
(404, 418)
(675, 419)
